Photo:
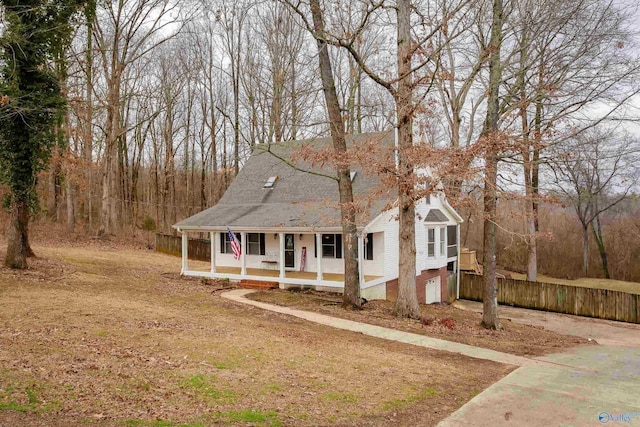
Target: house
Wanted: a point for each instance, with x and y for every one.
(286, 217)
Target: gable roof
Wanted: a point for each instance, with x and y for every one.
(436, 215)
(301, 196)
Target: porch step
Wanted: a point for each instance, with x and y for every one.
(258, 284)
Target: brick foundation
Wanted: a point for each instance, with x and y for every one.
(421, 285)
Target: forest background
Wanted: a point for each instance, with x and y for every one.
(167, 99)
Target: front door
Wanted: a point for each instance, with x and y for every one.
(289, 251)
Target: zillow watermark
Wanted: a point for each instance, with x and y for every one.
(623, 417)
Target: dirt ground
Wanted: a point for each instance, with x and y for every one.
(99, 333)
(438, 321)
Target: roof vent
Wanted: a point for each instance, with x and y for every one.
(270, 182)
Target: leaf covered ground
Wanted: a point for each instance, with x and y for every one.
(438, 321)
(109, 335)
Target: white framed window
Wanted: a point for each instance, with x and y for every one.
(443, 241)
(431, 242)
(225, 243)
(331, 246)
(255, 244)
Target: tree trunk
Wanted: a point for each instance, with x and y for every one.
(596, 227)
(407, 302)
(56, 181)
(585, 250)
(71, 216)
(90, 13)
(18, 248)
(351, 295)
(490, 319)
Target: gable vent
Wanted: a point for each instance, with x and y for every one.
(270, 182)
(352, 175)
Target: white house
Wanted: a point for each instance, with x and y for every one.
(286, 217)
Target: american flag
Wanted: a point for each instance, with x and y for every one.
(235, 244)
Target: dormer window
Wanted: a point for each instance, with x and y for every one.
(270, 182)
(352, 175)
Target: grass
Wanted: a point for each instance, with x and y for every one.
(253, 416)
(113, 336)
(412, 398)
(13, 406)
(205, 386)
(584, 282)
(342, 397)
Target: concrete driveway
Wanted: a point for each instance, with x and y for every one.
(589, 386)
(605, 332)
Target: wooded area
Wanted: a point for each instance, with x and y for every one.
(166, 99)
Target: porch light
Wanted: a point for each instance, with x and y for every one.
(300, 236)
(275, 236)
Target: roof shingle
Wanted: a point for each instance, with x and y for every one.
(298, 198)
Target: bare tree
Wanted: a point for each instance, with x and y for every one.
(492, 139)
(410, 73)
(597, 171)
(351, 294)
(125, 32)
(566, 57)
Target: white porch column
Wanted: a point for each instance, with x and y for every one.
(319, 255)
(458, 262)
(185, 252)
(361, 259)
(281, 258)
(243, 253)
(213, 235)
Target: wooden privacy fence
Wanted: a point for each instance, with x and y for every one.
(598, 303)
(199, 249)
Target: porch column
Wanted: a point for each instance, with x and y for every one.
(458, 262)
(213, 235)
(319, 255)
(361, 259)
(281, 258)
(243, 253)
(185, 252)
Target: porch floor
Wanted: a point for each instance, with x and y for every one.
(332, 277)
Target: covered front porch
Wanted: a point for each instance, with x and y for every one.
(305, 259)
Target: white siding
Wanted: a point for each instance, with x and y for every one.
(439, 260)
(421, 235)
(391, 247)
(375, 267)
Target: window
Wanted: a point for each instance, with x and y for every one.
(225, 243)
(255, 244)
(452, 241)
(368, 247)
(269, 183)
(431, 242)
(443, 241)
(331, 246)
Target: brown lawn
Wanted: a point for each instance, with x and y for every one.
(439, 321)
(99, 334)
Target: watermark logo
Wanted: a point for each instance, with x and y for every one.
(626, 417)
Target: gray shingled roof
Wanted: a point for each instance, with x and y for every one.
(298, 198)
(436, 215)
